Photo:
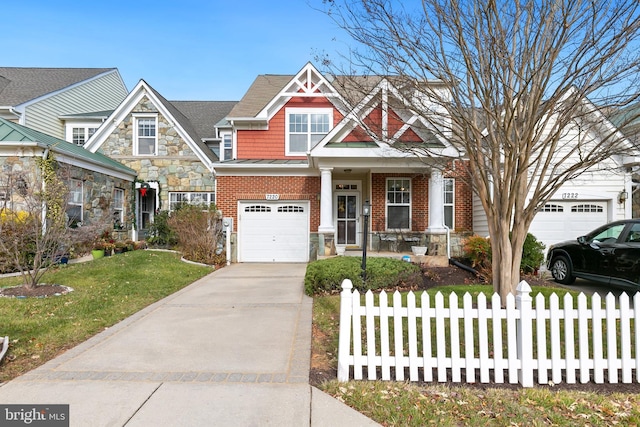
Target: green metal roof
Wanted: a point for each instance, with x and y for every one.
(12, 132)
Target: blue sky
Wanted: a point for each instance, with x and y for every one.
(187, 50)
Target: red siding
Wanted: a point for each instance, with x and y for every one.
(270, 144)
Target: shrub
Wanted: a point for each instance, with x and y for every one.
(478, 250)
(160, 233)
(532, 254)
(326, 276)
(199, 230)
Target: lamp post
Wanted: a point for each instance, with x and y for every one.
(366, 211)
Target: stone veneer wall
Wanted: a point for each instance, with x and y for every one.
(97, 188)
(175, 167)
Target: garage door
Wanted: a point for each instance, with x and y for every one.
(559, 221)
(273, 232)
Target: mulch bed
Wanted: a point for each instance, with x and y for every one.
(39, 291)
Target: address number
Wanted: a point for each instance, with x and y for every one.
(569, 195)
(272, 197)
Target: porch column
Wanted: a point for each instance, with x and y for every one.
(326, 202)
(436, 231)
(326, 229)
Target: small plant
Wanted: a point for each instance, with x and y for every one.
(532, 254)
(478, 250)
(160, 233)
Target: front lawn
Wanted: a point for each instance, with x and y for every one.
(105, 291)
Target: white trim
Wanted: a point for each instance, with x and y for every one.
(125, 109)
(307, 112)
(452, 226)
(387, 204)
(137, 117)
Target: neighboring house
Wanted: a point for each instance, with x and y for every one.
(600, 195)
(67, 103)
(99, 186)
(171, 145)
(301, 168)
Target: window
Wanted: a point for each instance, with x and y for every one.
(227, 147)
(80, 135)
(306, 127)
(398, 203)
(146, 136)
(449, 199)
(74, 206)
(118, 208)
(176, 199)
(586, 208)
(552, 208)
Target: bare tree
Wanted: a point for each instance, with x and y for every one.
(519, 75)
(33, 228)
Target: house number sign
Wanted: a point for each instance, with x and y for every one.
(569, 195)
(272, 197)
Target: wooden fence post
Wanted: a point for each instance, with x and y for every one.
(344, 340)
(525, 334)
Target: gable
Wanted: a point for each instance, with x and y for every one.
(176, 134)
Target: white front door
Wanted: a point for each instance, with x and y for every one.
(347, 209)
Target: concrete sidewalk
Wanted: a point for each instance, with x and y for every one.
(232, 349)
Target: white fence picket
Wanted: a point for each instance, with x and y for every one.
(429, 362)
(583, 339)
(612, 337)
(483, 339)
(550, 342)
(544, 363)
(384, 337)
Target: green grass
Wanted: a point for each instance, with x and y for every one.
(408, 404)
(106, 291)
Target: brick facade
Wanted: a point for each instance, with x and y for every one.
(232, 189)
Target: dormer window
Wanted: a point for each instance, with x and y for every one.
(305, 128)
(146, 137)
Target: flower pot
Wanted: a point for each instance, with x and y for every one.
(340, 250)
(97, 253)
(419, 250)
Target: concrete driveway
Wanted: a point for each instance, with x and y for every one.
(232, 349)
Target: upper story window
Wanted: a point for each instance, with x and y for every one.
(226, 151)
(305, 128)
(146, 136)
(398, 204)
(449, 201)
(80, 135)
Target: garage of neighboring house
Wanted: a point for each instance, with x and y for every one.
(271, 231)
(565, 220)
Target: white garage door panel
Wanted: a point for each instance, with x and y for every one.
(562, 221)
(274, 232)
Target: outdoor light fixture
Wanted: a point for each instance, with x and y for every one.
(623, 196)
(366, 211)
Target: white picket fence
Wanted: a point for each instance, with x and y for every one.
(527, 342)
